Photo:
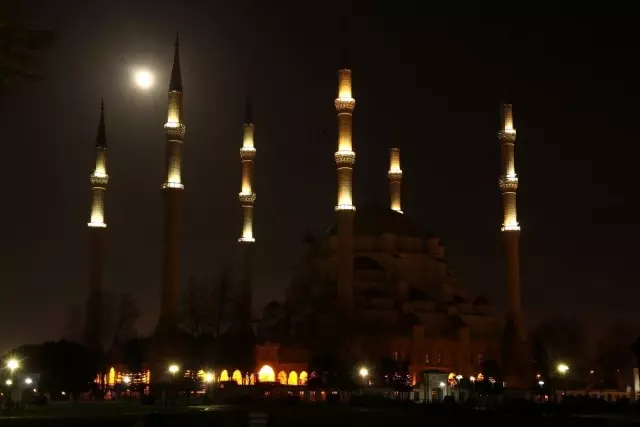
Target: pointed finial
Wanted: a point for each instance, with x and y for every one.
(176, 76)
(248, 112)
(101, 140)
(345, 60)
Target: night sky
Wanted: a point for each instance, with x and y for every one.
(427, 81)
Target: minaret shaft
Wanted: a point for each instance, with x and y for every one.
(97, 228)
(345, 159)
(510, 228)
(247, 197)
(395, 180)
(172, 189)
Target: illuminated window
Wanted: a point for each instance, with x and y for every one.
(237, 377)
(480, 359)
(282, 378)
(303, 378)
(266, 374)
(396, 356)
(293, 378)
(427, 360)
(224, 376)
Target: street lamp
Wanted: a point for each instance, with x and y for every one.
(208, 379)
(28, 381)
(13, 364)
(364, 372)
(540, 383)
(562, 370)
(8, 382)
(127, 380)
(173, 370)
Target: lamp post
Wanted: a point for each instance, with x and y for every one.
(364, 373)
(208, 379)
(173, 370)
(562, 369)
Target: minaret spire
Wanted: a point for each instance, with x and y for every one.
(345, 158)
(97, 225)
(176, 75)
(172, 189)
(101, 139)
(510, 228)
(395, 179)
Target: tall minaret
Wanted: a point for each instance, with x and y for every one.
(395, 179)
(510, 228)
(345, 159)
(172, 189)
(99, 180)
(247, 198)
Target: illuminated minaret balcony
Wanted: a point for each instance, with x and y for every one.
(395, 180)
(246, 196)
(345, 157)
(508, 181)
(99, 178)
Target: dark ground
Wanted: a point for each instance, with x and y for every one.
(301, 415)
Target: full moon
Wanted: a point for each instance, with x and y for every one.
(143, 79)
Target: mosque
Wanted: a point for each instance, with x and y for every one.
(374, 286)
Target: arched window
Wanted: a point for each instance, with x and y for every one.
(266, 374)
(439, 358)
(224, 376)
(480, 359)
(237, 377)
(282, 378)
(303, 378)
(293, 378)
(252, 379)
(427, 360)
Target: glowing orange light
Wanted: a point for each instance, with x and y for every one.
(266, 374)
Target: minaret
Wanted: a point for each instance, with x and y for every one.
(345, 159)
(99, 180)
(172, 189)
(395, 179)
(247, 198)
(510, 228)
